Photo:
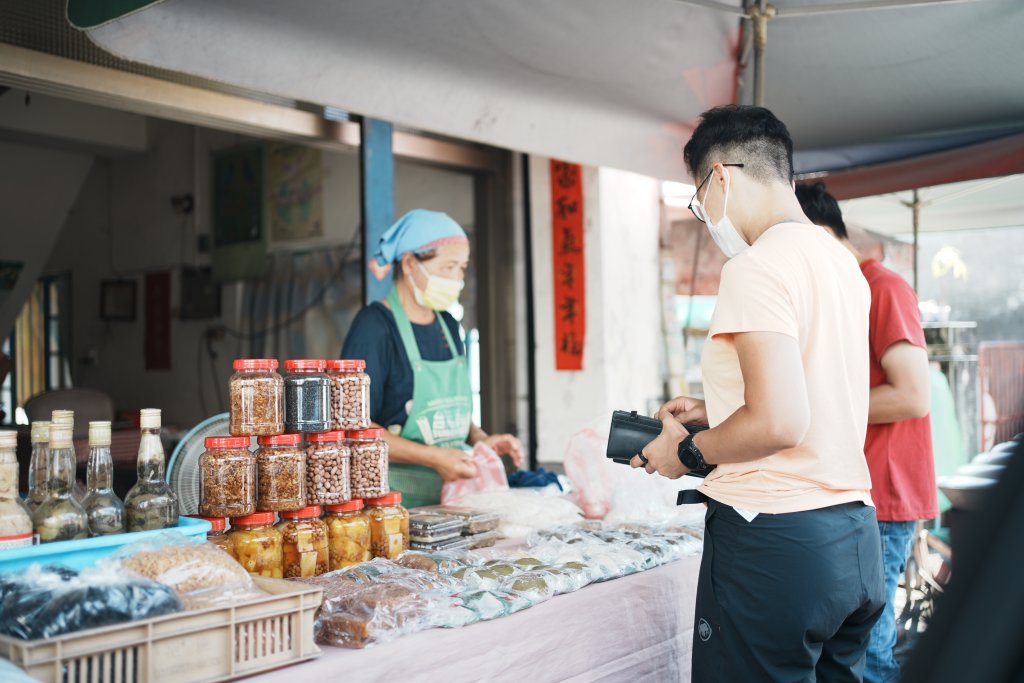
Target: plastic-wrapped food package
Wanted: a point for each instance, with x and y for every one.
(452, 544)
(523, 511)
(201, 574)
(486, 604)
(434, 563)
(431, 527)
(479, 578)
(473, 521)
(534, 586)
(42, 603)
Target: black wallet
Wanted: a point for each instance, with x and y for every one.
(631, 432)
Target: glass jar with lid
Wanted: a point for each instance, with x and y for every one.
(218, 534)
(369, 463)
(348, 534)
(60, 517)
(257, 545)
(256, 393)
(102, 505)
(307, 396)
(350, 394)
(15, 522)
(389, 526)
(304, 538)
(281, 473)
(151, 503)
(37, 466)
(327, 469)
(227, 477)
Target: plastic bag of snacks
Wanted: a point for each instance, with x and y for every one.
(490, 476)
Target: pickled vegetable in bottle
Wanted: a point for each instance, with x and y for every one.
(37, 466)
(151, 503)
(15, 522)
(257, 545)
(102, 505)
(60, 517)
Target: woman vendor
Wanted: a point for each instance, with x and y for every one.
(419, 378)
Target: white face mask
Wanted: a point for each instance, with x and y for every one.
(724, 233)
(439, 294)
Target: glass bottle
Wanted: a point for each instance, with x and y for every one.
(60, 517)
(15, 522)
(105, 509)
(151, 503)
(37, 465)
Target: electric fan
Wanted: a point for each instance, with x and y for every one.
(183, 469)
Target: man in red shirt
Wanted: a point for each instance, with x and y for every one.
(899, 442)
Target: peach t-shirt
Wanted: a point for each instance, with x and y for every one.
(797, 280)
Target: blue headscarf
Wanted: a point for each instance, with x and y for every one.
(418, 231)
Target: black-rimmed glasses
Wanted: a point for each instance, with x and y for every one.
(695, 206)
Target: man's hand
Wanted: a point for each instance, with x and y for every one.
(662, 454)
(685, 410)
(506, 444)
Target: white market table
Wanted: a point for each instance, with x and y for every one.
(634, 629)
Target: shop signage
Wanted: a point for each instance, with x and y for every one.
(568, 264)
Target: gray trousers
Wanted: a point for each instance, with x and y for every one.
(789, 597)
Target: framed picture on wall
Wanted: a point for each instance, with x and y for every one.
(117, 300)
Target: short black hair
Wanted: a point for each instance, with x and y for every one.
(741, 134)
(822, 208)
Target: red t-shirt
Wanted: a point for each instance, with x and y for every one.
(899, 453)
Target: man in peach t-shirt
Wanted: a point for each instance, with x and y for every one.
(791, 579)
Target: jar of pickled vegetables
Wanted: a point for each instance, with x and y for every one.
(227, 477)
(389, 526)
(348, 534)
(281, 473)
(258, 546)
(218, 534)
(304, 537)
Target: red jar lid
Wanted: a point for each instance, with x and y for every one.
(261, 518)
(280, 440)
(227, 442)
(311, 511)
(393, 498)
(354, 505)
(216, 523)
(255, 364)
(325, 437)
(305, 364)
(372, 433)
(349, 365)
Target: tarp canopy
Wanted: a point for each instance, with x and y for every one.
(608, 82)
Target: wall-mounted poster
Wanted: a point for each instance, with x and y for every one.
(294, 192)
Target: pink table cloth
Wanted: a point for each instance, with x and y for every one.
(634, 629)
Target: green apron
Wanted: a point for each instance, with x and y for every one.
(441, 412)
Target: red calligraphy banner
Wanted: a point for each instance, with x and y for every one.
(568, 264)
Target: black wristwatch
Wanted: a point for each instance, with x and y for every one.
(690, 455)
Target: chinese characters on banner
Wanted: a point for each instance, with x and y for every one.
(568, 264)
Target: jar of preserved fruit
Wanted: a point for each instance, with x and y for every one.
(257, 545)
(389, 526)
(104, 508)
(307, 396)
(257, 398)
(350, 394)
(151, 503)
(327, 469)
(281, 473)
(348, 534)
(304, 537)
(15, 523)
(369, 463)
(227, 477)
(218, 534)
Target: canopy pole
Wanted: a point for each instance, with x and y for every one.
(759, 14)
(915, 212)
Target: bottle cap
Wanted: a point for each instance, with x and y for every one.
(305, 364)
(99, 433)
(347, 365)
(227, 442)
(149, 418)
(311, 511)
(354, 505)
(60, 436)
(393, 498)
(40, 432)
(262, 518)
(255, 364)
(63, 417)
(325, 437)
(216, 523)
(9, 439)
(373, 433)
(280, 440)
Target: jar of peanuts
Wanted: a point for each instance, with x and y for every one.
(327, 469)
(257, 398)
(350, 394)
(281, 473)
(369, 463)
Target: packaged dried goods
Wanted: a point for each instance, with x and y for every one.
(15, 523)
(328, 479)
(60, 517)
(534, 586)
(227, 477)
(350, 394)
(151, 503)
(259, 547)
(45, 602)
(307, 396)
(304, 538)
(218, 534)
(432, 527)
(257, 398)
(38, 465)
(389, 526)
(281, 473)
(435, 563)
(348, 534)
(451, 544)
(474, 521)
(479, 578)
(103, 507)
(369, 463)
(485, 540)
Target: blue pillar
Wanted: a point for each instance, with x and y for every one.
(377, 173)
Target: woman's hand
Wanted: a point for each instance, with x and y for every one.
(453, 463)
(506, 444)
(686, 410)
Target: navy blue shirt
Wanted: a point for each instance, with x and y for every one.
(374, 337)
